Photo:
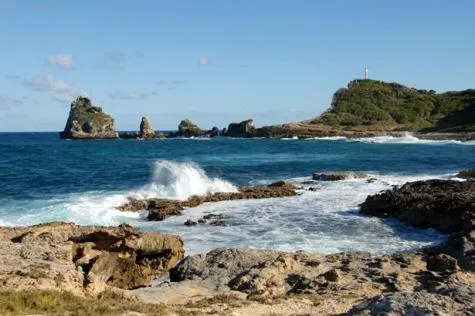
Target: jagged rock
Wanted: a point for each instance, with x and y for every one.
(466, 174)
(190, 222)
(83, 259)
(337, 175)
(187, 128)
(160, 209)
(343, 277)
(86, 121)
(442, 263)
(213, 132)
(146, 129)
(242, 129)
(445, 205)
(416, 303)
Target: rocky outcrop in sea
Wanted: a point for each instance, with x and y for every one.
(146, 129)
(86, 121)
(187, 128)
(159, 209)
(242, 129)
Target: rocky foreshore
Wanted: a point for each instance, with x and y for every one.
(437, 280)
(159, 209)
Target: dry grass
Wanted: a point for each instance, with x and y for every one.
(64, 303)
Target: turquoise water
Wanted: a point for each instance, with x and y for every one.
(43, 178)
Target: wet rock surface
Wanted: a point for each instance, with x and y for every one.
(442, 204)
(83, 259)
(446, 205)
(337, 175)
(159, 209)
(467, 174)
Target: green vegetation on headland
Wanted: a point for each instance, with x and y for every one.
(378, 105)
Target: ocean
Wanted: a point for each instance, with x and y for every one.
(43, 179)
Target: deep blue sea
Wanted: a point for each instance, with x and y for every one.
(43, 178)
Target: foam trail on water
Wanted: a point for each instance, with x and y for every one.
(406, 138)
(180, 180)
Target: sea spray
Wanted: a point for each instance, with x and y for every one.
(180, 180)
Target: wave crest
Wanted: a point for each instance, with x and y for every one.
(180, 180)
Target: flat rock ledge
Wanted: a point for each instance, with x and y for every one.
(338, 175)
(159, 209)
(252, 281)
(83, 260)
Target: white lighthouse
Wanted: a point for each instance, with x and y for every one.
(365, 73)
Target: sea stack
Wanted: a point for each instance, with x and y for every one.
(146, 129)
(86, 121)
(187, 128)
(242, 129)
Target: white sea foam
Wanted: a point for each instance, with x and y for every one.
(290, 138)
(406, 138)
(328, 138)
(180, 180)
(324, 220)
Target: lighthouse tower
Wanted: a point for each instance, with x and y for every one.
(365, 73)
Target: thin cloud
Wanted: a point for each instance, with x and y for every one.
(111, 60)
(177, 82)
(162, 82)
(116, 57)
(127, 96)
(12, 77)
(7, 103)
(203, 61)
(61, 60)
(61, 91)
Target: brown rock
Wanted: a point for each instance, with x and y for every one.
(160, 209)
(146, 129)
(466, 174)
(442, 263)
(83, 259)
(445, 205)
(337, 175)
(86, 121)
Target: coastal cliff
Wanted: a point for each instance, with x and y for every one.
(86, 121)
(369, 108)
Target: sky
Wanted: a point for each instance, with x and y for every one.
(220, 61)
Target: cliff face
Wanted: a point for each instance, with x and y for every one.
(86, 121)
(371, 104)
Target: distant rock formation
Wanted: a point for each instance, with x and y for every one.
(146, 129)
(242, 129)
(187, 128)
(86, 121)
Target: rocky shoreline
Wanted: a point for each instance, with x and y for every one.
(86, 121)
(89, 261)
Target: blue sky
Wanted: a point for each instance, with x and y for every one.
(217, 61)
